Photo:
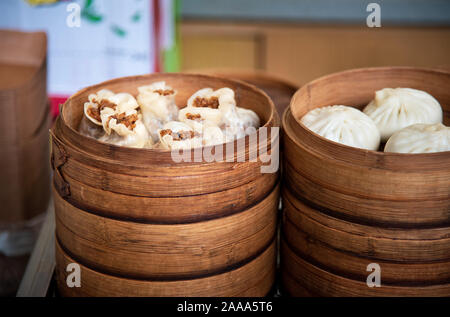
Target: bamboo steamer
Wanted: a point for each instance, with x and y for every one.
(254, 278)
(166, 250)
(26, 177)
(359, 176)
(156, 193)
(345, 208)
(137, 214)
(405, 255)
(319, 281)
(25, 117)
(23, 94)
(279, 89)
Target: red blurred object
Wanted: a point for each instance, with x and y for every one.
(55, 101)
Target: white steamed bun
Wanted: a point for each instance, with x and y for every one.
(420, 138)
(394, 109)
(345, 125)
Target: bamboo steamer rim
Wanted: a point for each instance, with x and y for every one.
(295, 205)
(88, 143)
(360, 157)
(233, 282)
(71, 143)
(348, 153)
(354, 265)
(311, 274)
(249, 75)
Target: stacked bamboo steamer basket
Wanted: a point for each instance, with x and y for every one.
(345, 208)
(139, 224)
(24, 185)
(24, 150)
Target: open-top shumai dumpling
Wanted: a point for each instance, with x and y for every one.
(218, 107)
(246, 119)
(157, 102)
(120, 120)
(178, 135)
(211, 117)
(394, 109)
(420, 138)
(105, 101)
(196, 118)
(97, 102)
(126, 129)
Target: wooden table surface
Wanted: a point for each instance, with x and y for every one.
(39, 272)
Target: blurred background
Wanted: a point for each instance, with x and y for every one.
(49, 49)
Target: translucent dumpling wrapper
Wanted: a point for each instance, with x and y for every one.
(124, 102)
(196, 118)
(205, 102)
(157, 102)
(126, 131)
(247, 119)
(121, 123)
(208, 129)
(420, 138)
(219, 106)
(178, 135)
(396, 108)
(105, 101)
(96, 103)
(89, 129)
(212, 135)
(345, 125)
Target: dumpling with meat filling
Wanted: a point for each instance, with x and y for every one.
(246, 119)
(118, 116)
(178, 135)
(125, 129)
(345, 125)
(420, 138)
(108, 102)
(202, 106)
(157, 102)
(89, 129)
(97, 102)
(218, 107)
(395, 109)
(197, 118)
(212, 135)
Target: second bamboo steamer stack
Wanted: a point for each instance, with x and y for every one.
(139, 224)
(349, 211)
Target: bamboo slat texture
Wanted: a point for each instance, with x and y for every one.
(24, 185)
(345, 207)
(141, 224)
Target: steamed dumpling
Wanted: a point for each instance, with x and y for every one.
(178, 135)
(394, 109)
(420, 138)
(211, 117)
(211, 104)
(196, 117)
(126, 129)
(344, 125)
(218, 107)
(247, 119)
(157, 103)
(97, 102)
(212, 135)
